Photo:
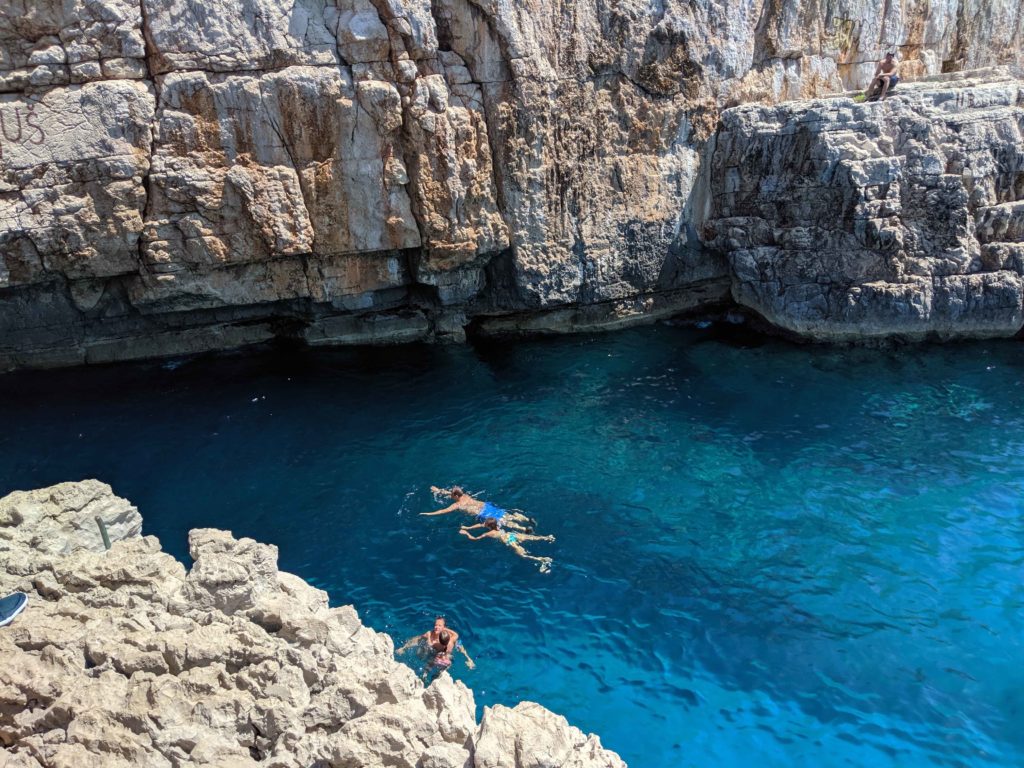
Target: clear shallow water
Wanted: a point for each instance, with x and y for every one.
(766, 554)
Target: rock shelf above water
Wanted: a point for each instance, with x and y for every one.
(125, 658)
(847, 221)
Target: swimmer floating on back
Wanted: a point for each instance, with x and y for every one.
(482, 510)
(511, 540)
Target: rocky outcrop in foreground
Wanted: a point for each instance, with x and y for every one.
(846, 221)
(187, 175)
(124, 658)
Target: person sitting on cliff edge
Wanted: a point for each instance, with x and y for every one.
(885, 79)
(439, 641)
(482, 510)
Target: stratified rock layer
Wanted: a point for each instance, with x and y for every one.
(846, 221)
(186, 175)
(124, 658)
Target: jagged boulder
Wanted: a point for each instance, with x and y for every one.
(529, 736)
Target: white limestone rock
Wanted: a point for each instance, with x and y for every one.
(61, 519)
(394, 170)
(452, 177)
(221, 36)
(41, 39)
(73, 161)
(529, 736)
(847, 221)
(273, 168)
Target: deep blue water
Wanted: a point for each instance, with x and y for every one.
(767, 555)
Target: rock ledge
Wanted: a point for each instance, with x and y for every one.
(904, 219)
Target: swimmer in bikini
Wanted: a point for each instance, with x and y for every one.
(439, 640)
(482, 510)
(441, 660)
(511, 540)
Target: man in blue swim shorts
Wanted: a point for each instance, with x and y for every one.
(482, 510)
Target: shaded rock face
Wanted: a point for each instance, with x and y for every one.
(185, 175)
(845, 221)
(124, 658)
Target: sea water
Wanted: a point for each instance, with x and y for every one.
(766, 554)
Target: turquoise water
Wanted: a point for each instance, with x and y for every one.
(766, 554)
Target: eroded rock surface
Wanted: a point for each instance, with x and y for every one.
(62, 519)
(125, 658)
(846, 221)
(185, 175)
(61, 42)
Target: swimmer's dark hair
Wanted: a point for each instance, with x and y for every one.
(456, 492)
(443, 637)
(491, 524)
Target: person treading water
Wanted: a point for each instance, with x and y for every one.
(511, 540)
(438, 644)
(482, 510)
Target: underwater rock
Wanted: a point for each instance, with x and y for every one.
(124, 658)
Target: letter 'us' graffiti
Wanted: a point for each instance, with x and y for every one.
(19, 125)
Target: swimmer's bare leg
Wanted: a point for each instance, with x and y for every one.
(545, 562)
(532, 537)
(513, 526)
(520, 517)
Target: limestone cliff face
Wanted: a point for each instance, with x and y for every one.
(844, 221)
(123, 658)
(194, 174)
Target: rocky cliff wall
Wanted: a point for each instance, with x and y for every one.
(123, 658)
(192, 174)
(846, 221)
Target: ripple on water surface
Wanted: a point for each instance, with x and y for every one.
(798, 555)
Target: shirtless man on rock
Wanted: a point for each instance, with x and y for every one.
(886, 77)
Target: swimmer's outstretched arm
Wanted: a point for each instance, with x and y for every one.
(471, 537)
(411, 642)
(445, 511)
(471, 527)
(469, 662)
